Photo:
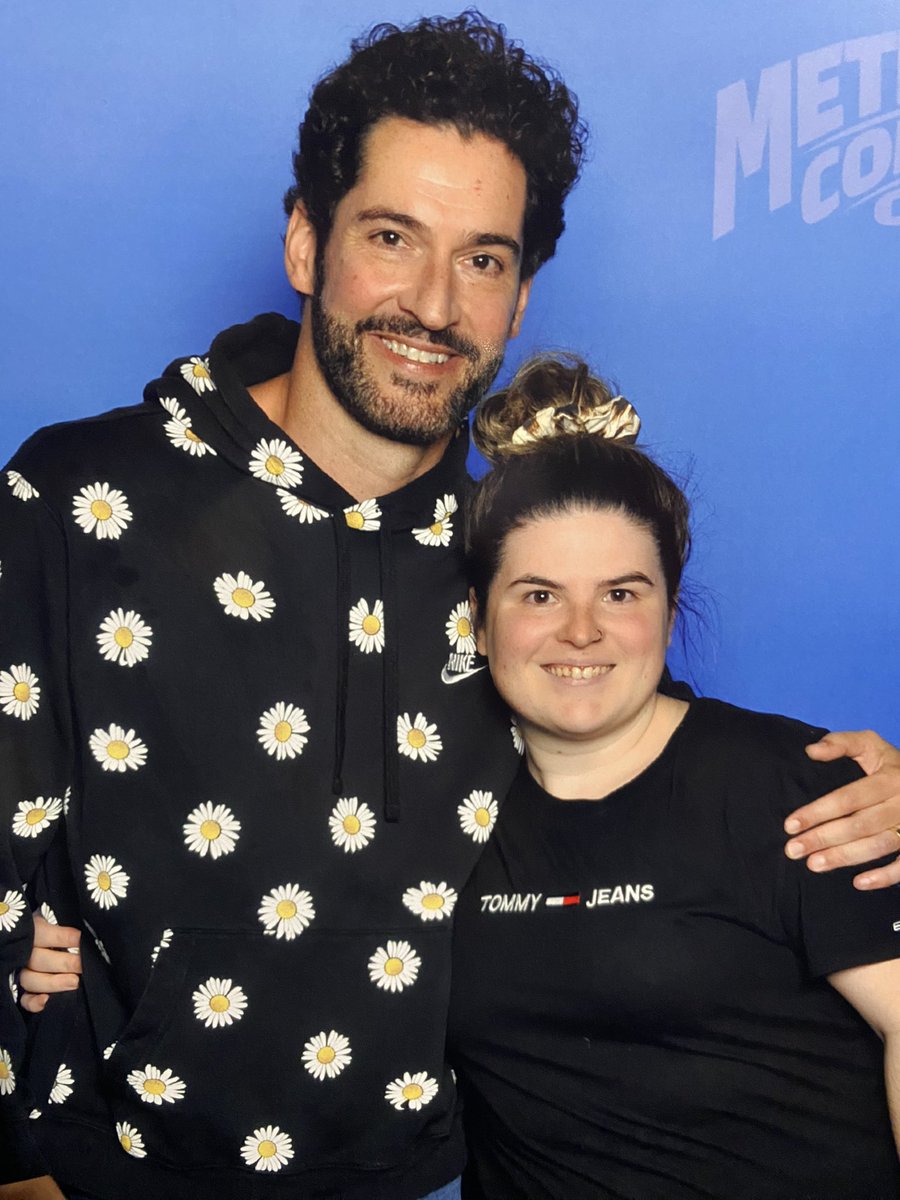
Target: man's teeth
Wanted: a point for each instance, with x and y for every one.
(564, 672)
(422, 356)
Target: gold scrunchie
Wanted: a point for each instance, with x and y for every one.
(615, 419)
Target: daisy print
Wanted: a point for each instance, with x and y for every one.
(12, 905)
(352, 824)
(394, 967)
(460, 629)
(20, 692)
(48, 914)
(516, 733)
(13, 987)
(124, 637)
(276, 462)
(164, 943)
(286, 911)
(430, 901)
(440, 531)
(106, 881)
(63, 1085)
(367, 626)
(180, 434)
(196, 372)
(116, 749)
(478, 815)
(267, 1148)
(417, 739)
(305, 512)
(21, 488)
(218, 1002)
(365, 516)
(326, 1055)
(155, 1086)
(211, 829)
(282, 730)
(7, 1074)
(34, 816)
(130, 1140)
(411, 1091)
(241, 597)
(101, 510)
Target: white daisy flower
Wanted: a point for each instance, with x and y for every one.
(196, 372)
(418, 739)
(154, 1086)
(164, 943)
(107, 882)
(352, 824)
(34, 816)
(21, 488)
(118, 750)
(440, 531)
(286, 911)
(7, 1074)
(281, 730)
(394, 967)
(217, 1002)
(63, 1085)
(267, 1148)
(12, 905)
(276, 462)
(34, 1115)
(20, 692)
(305, 512)
(180, 434)
(411, 1091)
(326, 1054)
(107, 1053)
(130, 1140)
(241, 597)
(430, 901)
(48, 914)
(478, 815)
(173, 408)
(124, 637)
(67, 796)
(460, 629)
(101, 510)
(367, 626)
(13, 987)
(365, 516)
(211, 829)
(518, 740)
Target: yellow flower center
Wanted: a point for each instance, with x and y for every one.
(412, 1091)
(464, 627)
(155, 1087)
(482, 817)
(192, 437)
(437, 528)
(282, 731)
(393, 966)
(4, 908)
(285, 909)
(433, 900)
(125, 1143)
(4, 1070)
(123, 637)
(274, 465)
(210, 830)
(118, 749)
(220, 1004)
(35, 816)
(104, 883)
(352, 824)
(416, 738)
(243, 597)
(371, 624)
(355, 519)
(199, 371)
(325, 1055)
(267, 1149)
(22, 692)
(101, 510)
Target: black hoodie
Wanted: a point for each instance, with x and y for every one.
(242, 712)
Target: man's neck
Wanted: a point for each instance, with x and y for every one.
(363, 463)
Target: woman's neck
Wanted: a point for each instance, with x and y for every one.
(590, 770)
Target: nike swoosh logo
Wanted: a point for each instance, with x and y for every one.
(456, 676)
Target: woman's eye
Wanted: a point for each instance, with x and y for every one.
(541, 597)
(620, 595)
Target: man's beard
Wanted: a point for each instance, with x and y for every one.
(416, 413)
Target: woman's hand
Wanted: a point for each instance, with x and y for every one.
(51, 967)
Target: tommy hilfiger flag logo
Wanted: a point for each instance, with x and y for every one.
(563, 901)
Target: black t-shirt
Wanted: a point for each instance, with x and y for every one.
(639, 1007)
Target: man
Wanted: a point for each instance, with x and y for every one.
(254, 756)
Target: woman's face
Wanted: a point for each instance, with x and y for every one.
(577, 624)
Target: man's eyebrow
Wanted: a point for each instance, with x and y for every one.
(405, 221)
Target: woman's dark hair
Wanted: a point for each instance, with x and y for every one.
(459, 71)
(568, 472)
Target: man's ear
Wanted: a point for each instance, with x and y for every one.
(480, 645)
(521, 304)
(300, 251)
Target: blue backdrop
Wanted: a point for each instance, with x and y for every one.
(731, 261)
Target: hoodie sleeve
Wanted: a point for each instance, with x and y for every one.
(35, 768)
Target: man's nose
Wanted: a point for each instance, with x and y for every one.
(432, 295)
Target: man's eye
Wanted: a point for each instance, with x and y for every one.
(620, 595)
(486, 262)
(539, 597)
(389, 237)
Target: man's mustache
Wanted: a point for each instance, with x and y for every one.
(448, 339)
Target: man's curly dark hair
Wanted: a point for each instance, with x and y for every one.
(461, 71)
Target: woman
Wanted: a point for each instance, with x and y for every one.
(649, 1001)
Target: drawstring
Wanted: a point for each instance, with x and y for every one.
(390, 678)
(339, 525)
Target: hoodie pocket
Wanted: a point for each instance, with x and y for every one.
(325, 1051)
